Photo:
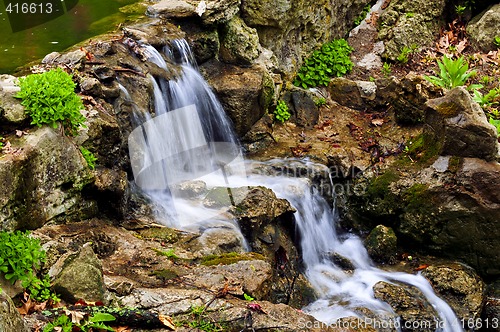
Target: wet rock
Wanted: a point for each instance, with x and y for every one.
(169, 8)
(12, 113)
(409, 304)
(218, 11)
(259, 207)
(399, 29)
(111, 191)
(353, 94)
(79, 276)
(482, 30)
(189, 189)
(245, 93)
(491, 312)
(10, 319)
(41, 180)
(239, 43)
(218, 240)
(73, 59)
(303, 110)
(381, 244)
(460, 287)
(204, 43)
(450, 208)
(461, 127)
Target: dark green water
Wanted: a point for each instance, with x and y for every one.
(85, 20)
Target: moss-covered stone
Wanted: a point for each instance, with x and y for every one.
(381, 244)
(379, 186)
(230, 258)
(164, 274)
(163, 234)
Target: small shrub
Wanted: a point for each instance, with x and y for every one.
(405, 52)
(89, 157)
(386, 69)
(487, 100)
(452, 73)
(281, 112)
(329, 61)
(20, 258)
(50, 98)
(94, 323)
(320, 102)
(460, 10)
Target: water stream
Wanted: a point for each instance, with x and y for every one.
(191, 139)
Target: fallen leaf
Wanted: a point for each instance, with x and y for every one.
(122, 329)
(76, 316)
(167, 321)
(422, 267)
(377, 122)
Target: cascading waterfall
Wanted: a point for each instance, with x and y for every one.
(342, 292)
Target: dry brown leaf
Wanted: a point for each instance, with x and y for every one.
(76, 316)
(461, 45)
(167, 321)
(377, 122)
(122, 329)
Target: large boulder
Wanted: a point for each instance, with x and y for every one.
(41, 178)
(408, 23)
(460, 126)
(245, 93)
(10, 319)
(483, 29)
(240, 43)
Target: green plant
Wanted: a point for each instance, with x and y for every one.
(362, 15)
(409, 15)
(320, 102)
(89, 157)
(329, 61)
(405, 52)
(386, 69)
(20, 258)
(452, 73)
(50, 98)
(200, 320)
(1, 142)
(487, 100)
(496, 41)
(248, 297)
(460, 10)
(170, 253)
(94, 322)
(281, 112)
(496, 123)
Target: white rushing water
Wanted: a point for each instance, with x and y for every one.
(191, 138)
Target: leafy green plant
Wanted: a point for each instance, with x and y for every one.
(248, 297)
(410, 14)
(50, 98)
(386, 69)
(496, 123)
(320, 102)
(496, 41)
(1, 142)
(93, 323)
(487, 100)
(201, 321)
(460, 10)
(20, 258)
(281, 112)
(405, 52)
(362, 15)
(329, 61)
(170, 253)
(452, 73)
(89, 157)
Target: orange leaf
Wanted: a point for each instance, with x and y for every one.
(422, 267)
(167, 321)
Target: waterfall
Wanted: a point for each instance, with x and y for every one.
(191, 138)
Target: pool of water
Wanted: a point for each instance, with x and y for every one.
(86, 18)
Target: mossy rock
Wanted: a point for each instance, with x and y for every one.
(381, 244)
(164, 234)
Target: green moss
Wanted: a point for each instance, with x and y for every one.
(455, 164)
(230, 258)
(421, 150)
(164, 274)
(163, 234)
(379, 186)
(417, 196)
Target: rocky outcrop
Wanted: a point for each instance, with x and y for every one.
(10, 319)
(409, 23)
(240, 43)
(292, 29)
(41, 178)
(460, 127)
(483, 29)
(381, 244)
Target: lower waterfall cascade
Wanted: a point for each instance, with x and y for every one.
(191, 138)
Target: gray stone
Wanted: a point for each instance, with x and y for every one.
(460, 126)
(302, 108)
(172, 8)
(409, 304)
(10, 319)
(460, 287)
(483, 29)
(41, 180)
(218, 11)
(80, 276)
(239, 43)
